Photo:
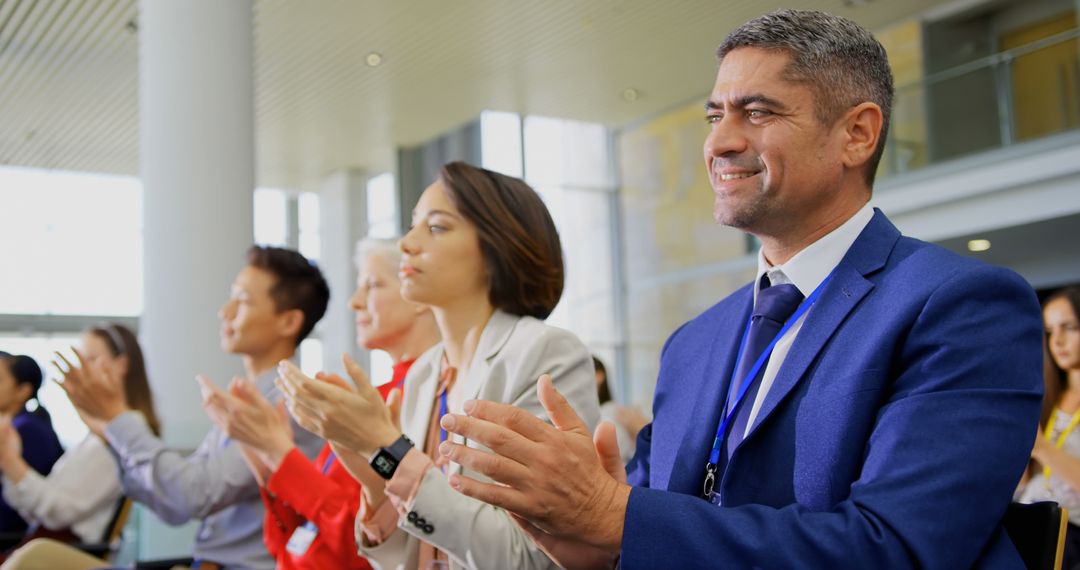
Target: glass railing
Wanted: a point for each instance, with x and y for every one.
(1010, 97)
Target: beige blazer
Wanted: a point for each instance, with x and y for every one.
(513, 352)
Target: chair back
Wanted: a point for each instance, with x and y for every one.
(116, 524)
(1038, 532)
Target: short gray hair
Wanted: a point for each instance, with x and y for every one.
(841, 60)
(385, 247)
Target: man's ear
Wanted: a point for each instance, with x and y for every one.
(290, 322)
(862, 130)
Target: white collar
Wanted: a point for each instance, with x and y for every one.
(808, 268)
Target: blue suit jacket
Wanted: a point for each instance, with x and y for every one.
(893, 436)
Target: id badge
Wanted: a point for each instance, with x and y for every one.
(301, 539)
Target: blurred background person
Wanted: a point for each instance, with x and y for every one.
(27, 422)
(61, 500)
(317, 502)
(628, 420)
(275, 301)
(1056, 476)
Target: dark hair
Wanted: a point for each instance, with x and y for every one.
(603, 391)
(300, 284)
(122, 342)
(26, 371)
(1055, 379)
(518, 239)
(839, 59)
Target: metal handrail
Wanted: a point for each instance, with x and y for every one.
(993, 59)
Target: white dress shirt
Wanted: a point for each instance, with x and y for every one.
(64, 499)
(806, 270)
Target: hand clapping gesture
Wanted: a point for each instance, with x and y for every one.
(565, 487)
(356, 419)
(248, 418)
(97, 393)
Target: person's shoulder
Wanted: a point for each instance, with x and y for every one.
(934, 265)
(530, 331)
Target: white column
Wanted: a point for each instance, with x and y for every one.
(196, 98)
(343, 222)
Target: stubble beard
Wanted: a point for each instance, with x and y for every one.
(746, 216)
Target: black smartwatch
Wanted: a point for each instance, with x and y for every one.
(386, 459)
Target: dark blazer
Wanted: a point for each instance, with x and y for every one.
(40, 449)
(893, 437)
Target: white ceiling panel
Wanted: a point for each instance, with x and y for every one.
(69, 88)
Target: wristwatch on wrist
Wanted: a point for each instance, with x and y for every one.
(386, 459)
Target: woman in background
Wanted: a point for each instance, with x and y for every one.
(484, 254)
(317, 502)
(628, 420)
(27, 437)
(62, 499)
(1057, 449)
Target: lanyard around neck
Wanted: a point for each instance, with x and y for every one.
(727, 413)
(1049, 435)
(329, 461)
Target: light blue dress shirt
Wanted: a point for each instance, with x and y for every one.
(213, 484)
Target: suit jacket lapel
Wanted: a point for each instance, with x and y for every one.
(421, 400)
(496, 334)
(842, 294)
(709, 391)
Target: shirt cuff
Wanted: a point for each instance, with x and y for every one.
(378, 524)
(402, 487)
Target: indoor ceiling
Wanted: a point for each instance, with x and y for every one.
(69, 89)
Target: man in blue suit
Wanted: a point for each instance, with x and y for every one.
(869, 401)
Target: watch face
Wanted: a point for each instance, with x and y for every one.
(382, 463)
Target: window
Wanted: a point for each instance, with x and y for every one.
(71, 243)
(69, 428)
(72, 247)
(271, 217)
(569, 163)
(307, 206)
(382, 209)
(500, 142)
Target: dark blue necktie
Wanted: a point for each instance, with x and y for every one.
(774, 305)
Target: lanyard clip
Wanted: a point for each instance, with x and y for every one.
(710, 481)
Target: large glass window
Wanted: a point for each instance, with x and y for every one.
(500, 142)
(570, 165)
(42, 348)
(271, 217)
(307, 207)
(382, 207)
(71, 243)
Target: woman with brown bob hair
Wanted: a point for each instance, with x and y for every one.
(63, 499)
(484, 254)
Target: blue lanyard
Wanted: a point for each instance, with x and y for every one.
(442, 412)
(729, 412)
(329, 461)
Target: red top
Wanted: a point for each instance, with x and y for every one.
(300, 491)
